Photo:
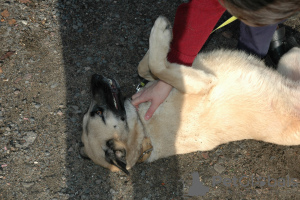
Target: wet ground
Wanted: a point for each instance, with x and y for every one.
(49, 50)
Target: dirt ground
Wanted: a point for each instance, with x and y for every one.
(49, 50)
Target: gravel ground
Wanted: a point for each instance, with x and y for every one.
(49, 50)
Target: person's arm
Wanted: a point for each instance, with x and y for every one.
(193, 24)
(194, 21)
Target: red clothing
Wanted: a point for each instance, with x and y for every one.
(193, 24)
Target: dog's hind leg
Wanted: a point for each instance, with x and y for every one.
(143, 68)
(289, 64)
(185, 79)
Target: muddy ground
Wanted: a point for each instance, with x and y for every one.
(49, 49)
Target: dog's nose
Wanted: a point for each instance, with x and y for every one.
(96, 77)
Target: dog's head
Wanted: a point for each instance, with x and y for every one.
(104, 124)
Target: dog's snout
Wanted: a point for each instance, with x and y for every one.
(96, 77)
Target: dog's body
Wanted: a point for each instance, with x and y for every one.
(225, 96)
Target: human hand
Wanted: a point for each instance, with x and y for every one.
(156, 94)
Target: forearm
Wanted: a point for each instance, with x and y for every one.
(193, 24)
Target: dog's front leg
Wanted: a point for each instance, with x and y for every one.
(185, 79)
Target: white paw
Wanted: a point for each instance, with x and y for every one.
(161, 34)
(289, 64)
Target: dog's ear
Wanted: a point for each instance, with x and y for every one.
(116, 155)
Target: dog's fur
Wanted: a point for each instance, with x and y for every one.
(225, 96)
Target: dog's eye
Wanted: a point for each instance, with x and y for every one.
(99, 112)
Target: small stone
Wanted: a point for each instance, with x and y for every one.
(70, 149)
(73, 119)
(75, 107)
(47, 153)
(27, 140)
(219, 168)
(61, 106)
(112, 191)
(17, 91)
(27, 77)
(27, 185)
(205, 155)
(36, 105)
(24, 22)
(59, 113)
(54, 85)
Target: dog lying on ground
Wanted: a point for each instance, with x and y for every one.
(225, 96)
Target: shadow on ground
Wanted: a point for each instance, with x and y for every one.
(109, 38)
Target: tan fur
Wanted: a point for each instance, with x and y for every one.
(225, 96)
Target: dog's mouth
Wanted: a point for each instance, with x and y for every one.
(107, 92)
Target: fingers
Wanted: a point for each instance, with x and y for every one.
(151, 110)
(136, 95)
(137, 99)
(155, 93)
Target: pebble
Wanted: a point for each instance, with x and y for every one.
(73, 119)
(17, 91)
(27, 185)
(219, 168)
(28, 139)
(27, 77)
(59, 113)
(112, 191)
(61, 106)
(36, 105)
(54, 85)
(24, 22)
(70, 149)
(47, 153)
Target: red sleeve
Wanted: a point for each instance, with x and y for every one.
(193, 24)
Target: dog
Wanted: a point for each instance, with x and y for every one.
(225, 96)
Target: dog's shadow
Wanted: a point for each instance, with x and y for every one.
(111, 37)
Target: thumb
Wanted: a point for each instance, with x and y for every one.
(151, 110)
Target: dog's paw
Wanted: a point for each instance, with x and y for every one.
(289, 64)
(161, 35)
